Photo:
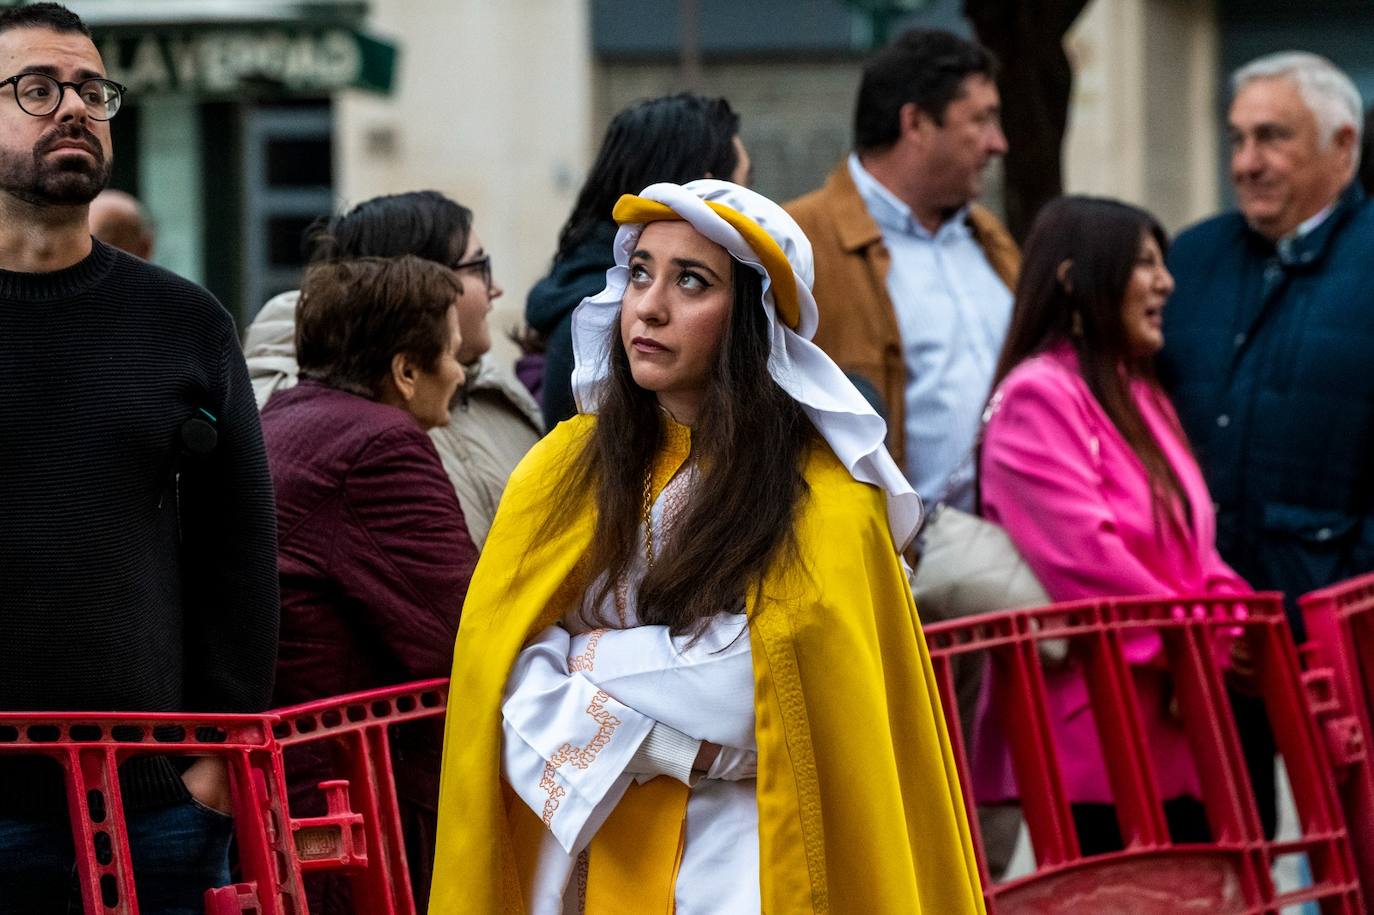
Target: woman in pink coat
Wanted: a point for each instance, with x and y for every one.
(1086, 467)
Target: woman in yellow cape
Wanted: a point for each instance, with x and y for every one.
(721, 524)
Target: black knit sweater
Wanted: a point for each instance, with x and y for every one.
(135, 575)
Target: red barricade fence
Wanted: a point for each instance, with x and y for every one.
(1340, 660)
(89, 749)
(360, 835)
(1232, 874)
(1319, 716)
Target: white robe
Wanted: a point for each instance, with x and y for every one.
(578, 707)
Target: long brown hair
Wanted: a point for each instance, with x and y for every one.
(747, 447)
(1101, 239)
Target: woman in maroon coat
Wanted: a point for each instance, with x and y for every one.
(375, 556)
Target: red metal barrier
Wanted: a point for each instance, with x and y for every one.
(360, 835)
(1229, 876)
(1340, 675)
(1318, 716)
(89, 749)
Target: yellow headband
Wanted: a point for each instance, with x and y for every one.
(633, 209)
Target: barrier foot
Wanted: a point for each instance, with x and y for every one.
(233, 900)
(335, 841)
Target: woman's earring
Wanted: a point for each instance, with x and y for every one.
(1076, 324)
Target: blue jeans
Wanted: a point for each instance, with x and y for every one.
(179, 851)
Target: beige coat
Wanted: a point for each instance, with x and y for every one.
(858, 326)
(492, 423)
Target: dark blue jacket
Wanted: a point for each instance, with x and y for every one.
(549, 308)
(1269, 355)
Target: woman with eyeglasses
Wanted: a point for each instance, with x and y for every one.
(493, 420)
(490, 421)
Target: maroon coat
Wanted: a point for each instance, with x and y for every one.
(375, 560)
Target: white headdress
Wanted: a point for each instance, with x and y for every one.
(758, 233)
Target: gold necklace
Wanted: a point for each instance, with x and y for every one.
(649, 520)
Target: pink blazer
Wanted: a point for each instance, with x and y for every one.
(1075, 499)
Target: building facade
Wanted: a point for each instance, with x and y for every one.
(247, 120)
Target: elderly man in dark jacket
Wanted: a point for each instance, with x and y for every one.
(1269, 336)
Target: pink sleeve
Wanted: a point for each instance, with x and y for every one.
(1221, 578)
(1041, 483)
(1218, 577)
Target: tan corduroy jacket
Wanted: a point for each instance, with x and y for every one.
(858, 327)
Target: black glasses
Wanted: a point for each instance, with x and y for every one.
(482, 264)
(40, 95)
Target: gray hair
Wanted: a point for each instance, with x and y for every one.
(1329, 93)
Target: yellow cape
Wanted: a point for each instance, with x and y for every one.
(860, 808)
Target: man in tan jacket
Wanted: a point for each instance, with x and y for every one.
(913, 279)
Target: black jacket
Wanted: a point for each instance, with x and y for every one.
(549, 311)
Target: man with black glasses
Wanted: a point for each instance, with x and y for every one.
(137, 531)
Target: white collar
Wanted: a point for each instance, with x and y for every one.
(1311, 223)
(890, 211)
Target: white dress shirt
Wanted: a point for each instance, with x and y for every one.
(952, 313)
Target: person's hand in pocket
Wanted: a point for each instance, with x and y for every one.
(208, 782)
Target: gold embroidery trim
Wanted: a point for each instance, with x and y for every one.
(580, 757)
(587, 659)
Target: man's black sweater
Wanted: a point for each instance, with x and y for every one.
(135, 574)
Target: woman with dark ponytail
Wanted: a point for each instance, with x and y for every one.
(670, 138)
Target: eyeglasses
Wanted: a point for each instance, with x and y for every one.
(482, 264)
(40, 95)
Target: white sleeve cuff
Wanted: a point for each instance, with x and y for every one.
(734, 764)
(666, 751)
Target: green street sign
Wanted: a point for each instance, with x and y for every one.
(881, 14)
(223, 61)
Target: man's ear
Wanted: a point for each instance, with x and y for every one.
(1344, 141)
(403, 373)
(911, 119)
